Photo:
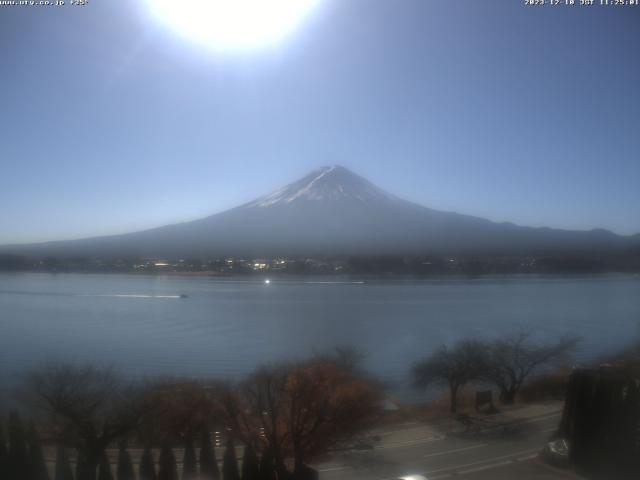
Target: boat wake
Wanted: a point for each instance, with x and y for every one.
(123, 295)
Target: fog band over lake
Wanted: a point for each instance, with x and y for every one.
(226, 327)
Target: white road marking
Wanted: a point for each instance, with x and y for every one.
(331, 469)
(533, 420)
(447, 452)
(485, 467)
(416, 427)
(542, 418)
(409, 443)
(481, 462)
(456, 469)
(528, 457)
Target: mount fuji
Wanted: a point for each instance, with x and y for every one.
(333, 211)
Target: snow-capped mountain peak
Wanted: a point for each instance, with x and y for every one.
(332, 183)
(333, 211)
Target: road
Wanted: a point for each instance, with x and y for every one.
(502, 448)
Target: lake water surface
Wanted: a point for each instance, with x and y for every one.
(228, 326)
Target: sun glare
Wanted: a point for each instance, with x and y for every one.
(232, 23)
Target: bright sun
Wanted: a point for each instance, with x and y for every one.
(232, 23)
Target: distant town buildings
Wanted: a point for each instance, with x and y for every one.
(339, 265)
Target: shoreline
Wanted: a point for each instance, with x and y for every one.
(353, 276)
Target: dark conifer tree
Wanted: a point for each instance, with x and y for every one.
(63, 467)
(147, 466)
(267, 470)
(104, 467)
(189, 462)
(208, 464)
(250, 466)
(125, 465)
(167, 468)
(230, 463)
(18, 458)
(37, 466)
(3, 453)
(85, 469)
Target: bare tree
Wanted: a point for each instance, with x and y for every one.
(627, 360)
(510, 360)
(301, 411)
(327, 406)
(346, 357)
(182, 409)
(85, 407)
(454, 366)
(255, 412)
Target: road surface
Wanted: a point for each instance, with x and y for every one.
(506, 447)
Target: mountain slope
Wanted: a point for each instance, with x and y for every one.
(333, 211)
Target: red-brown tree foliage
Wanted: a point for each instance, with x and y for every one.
(301, 411)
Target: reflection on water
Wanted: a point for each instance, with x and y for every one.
(227, 326)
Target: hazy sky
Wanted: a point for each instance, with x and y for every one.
(109, 122)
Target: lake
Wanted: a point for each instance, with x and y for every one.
(228, 326)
